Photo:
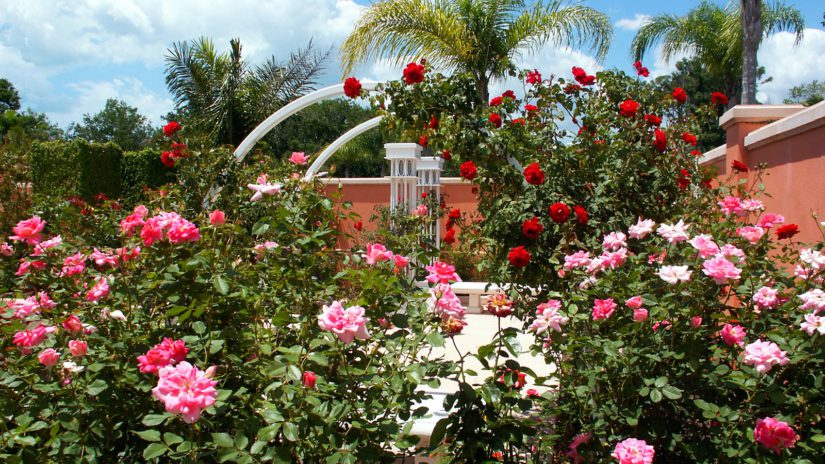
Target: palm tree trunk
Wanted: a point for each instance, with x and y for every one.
(751, 36)
(483, 83)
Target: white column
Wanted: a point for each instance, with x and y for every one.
(403, 158)
(429, 182)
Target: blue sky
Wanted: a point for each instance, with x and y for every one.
(66, 57)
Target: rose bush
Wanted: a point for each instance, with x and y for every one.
(197, 336)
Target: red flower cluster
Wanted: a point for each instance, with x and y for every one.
(787, 231)
(423, 141)
(683, 181)
(559, 212)
(530, 108)
(519, 256)
(571, 88)
(582, 77)
(171, 129)
(689, 138)
(679, 95)
(531, 228)
(653, 120)
(718, 98)
(533, 174)
(628, 108)
(660, 140)
(468, 170)
(449, 237)
(581, 214)
(352, 88)
(641, 70)
(446, 154)
(495, 120)
(309, 379)
(414, 73)
(739, 166)
(534, 77)
(433, 122)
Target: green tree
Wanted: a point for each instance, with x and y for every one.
(807, 94)
(482, 37)
(223, 96)
(714, 35)
(9, 98)
(117, 122)
(27, 125)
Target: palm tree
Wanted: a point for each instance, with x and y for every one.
(751, 36)
(221, 95)
(714, 34)
(481, 37)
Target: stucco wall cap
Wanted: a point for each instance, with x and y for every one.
(757, 113)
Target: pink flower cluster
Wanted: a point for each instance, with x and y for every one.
(347, 324)
(603, 309)
(674, 233)
(30, 338)
(441, 272)
(99, 290)
(642, 229)
(378, 253)
(186, 390)
(548, 317)
(764, 355)
(633, 451)
(721, 270)
(765, 298)
(166, 353)
(31, 305)
(639, 313)
(171, 225)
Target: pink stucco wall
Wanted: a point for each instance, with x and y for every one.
(790, 141)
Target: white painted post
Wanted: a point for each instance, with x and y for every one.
(403, 158)
(429, 182)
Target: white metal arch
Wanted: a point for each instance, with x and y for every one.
(340, 142)
(291, 108)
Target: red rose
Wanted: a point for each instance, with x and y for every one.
(352, 88)
(167, 159)
(495, 120)
(454, 214)
(518, 121)
(653, 120)
(787, 230)
(495, 101)
(628, 108)
(519, 257)
(696, 153)
(446, 154)
(581, 214)
(679, 94)
(530, 108)
(309, 379)
(449, 237)
(683, 181)
(359, 226)
(689, 138)
(641, 70)
(509, 94)
(582, 77)
(531, 228)
(559, 212)
(433, 122)
(171, 128)
(660, 142)
(571, 88)
(534, 77)
(468, 170)
(414, 73)
(533, 174)
(718, 98)
(739, 166)
(422, 140)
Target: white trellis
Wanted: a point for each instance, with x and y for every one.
(429, 182)
(404, 159)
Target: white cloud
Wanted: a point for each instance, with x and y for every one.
(791, 66)
(634, 23)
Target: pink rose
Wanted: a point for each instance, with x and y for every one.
(347, 324)
(298, 158)
(634, 302)
(633, 451)
(73, 324)
(441, 272)
(614, 241)
(774, 435)
(48, 357)
(764, 355)
(603, 309)
(751, 234)
(721, 270)
(78, 348)
(401, 262)
(768, 220)
(705, 245)
(733, 334)
(445, 303)
(377, 253)
(640, 315)
(28, 230)
(99, 290)
(186, 390)
(576, 260)
(695, 321)
(217, 218)
(765, 298)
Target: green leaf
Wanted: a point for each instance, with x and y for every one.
(818, 438)
(154, 450)
(149, 435)
(439, 431)
(660, 382)
(655, 395)
(172, 439)
(671, 392)
(260, 228)
(290, 431)
(199, 327)
(220, 285)
(435, 339)
(153, 419)
(96, 387)
(224, 440)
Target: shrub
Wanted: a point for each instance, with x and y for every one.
(78, 167)
(141, 170)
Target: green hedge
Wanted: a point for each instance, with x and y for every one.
(77, 167)
(141, 169)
